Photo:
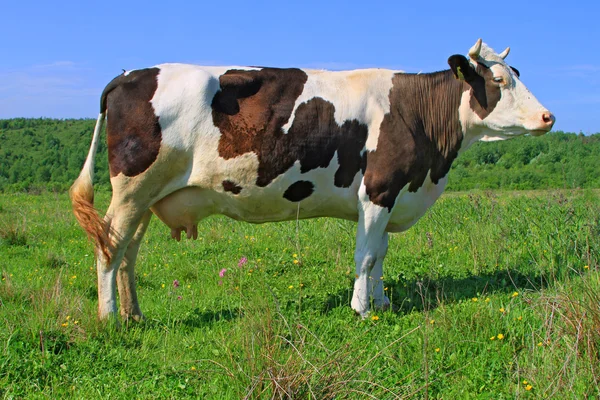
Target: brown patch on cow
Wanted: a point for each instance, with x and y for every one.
(315, 136)
(251, 108)
(133, 132)
(230, 186)
(299, 191)
(421, 134)
(485, 93)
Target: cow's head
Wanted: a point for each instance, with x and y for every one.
(497, 105)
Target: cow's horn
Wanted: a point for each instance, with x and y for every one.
(475, 50)
(504, 53)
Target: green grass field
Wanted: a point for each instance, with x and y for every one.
(496, 295)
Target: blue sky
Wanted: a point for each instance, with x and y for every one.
(56, 57)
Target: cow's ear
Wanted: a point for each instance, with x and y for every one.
(461, 67)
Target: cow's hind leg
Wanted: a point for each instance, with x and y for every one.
(122, 220)
(130, 308)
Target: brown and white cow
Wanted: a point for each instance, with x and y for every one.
(269, 144)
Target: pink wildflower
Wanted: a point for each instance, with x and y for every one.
(175, 283)
(179, 298)
(242, 261)
(222, 272)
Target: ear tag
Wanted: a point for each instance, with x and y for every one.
(459, 74)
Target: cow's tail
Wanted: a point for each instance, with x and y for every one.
(82, 197)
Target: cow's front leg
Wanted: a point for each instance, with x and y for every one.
(370, 239)
(376, 284)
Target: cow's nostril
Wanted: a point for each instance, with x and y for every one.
(548, 118)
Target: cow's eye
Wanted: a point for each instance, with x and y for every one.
(498, 79)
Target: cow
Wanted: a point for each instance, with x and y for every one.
(270, 144)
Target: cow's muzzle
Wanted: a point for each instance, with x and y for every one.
(545, 122)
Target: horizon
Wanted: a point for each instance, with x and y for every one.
(63, 55)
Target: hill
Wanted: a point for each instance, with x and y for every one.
(47, 154)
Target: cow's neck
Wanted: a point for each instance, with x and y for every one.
(429, 105)
(422, 128)
(419, 137)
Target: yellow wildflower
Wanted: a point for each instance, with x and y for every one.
(295, 255)
(500, 336)
(163, 285)
(193, 368)
(437, 350)
(291, 287)
(432, 321)
(474, 299)
(540, 344)
(502, 310)
(493, 338)
(525, 382)
(374, 317)
(487, 299)
(586, 267)
(296, 261)
(528, 387)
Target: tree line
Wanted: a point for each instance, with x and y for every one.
(47, 154)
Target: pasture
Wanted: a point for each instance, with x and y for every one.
(495, 295)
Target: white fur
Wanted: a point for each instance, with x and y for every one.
(88, 166)
(107, 282)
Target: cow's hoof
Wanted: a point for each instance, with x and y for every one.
(132, 318)
(382, 305)
(359, 308)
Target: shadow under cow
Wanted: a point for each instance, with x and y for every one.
(428, 294)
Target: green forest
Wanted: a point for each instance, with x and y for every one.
(47, 154)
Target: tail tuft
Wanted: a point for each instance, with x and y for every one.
(82, 199)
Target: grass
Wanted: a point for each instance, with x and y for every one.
(496, 295)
